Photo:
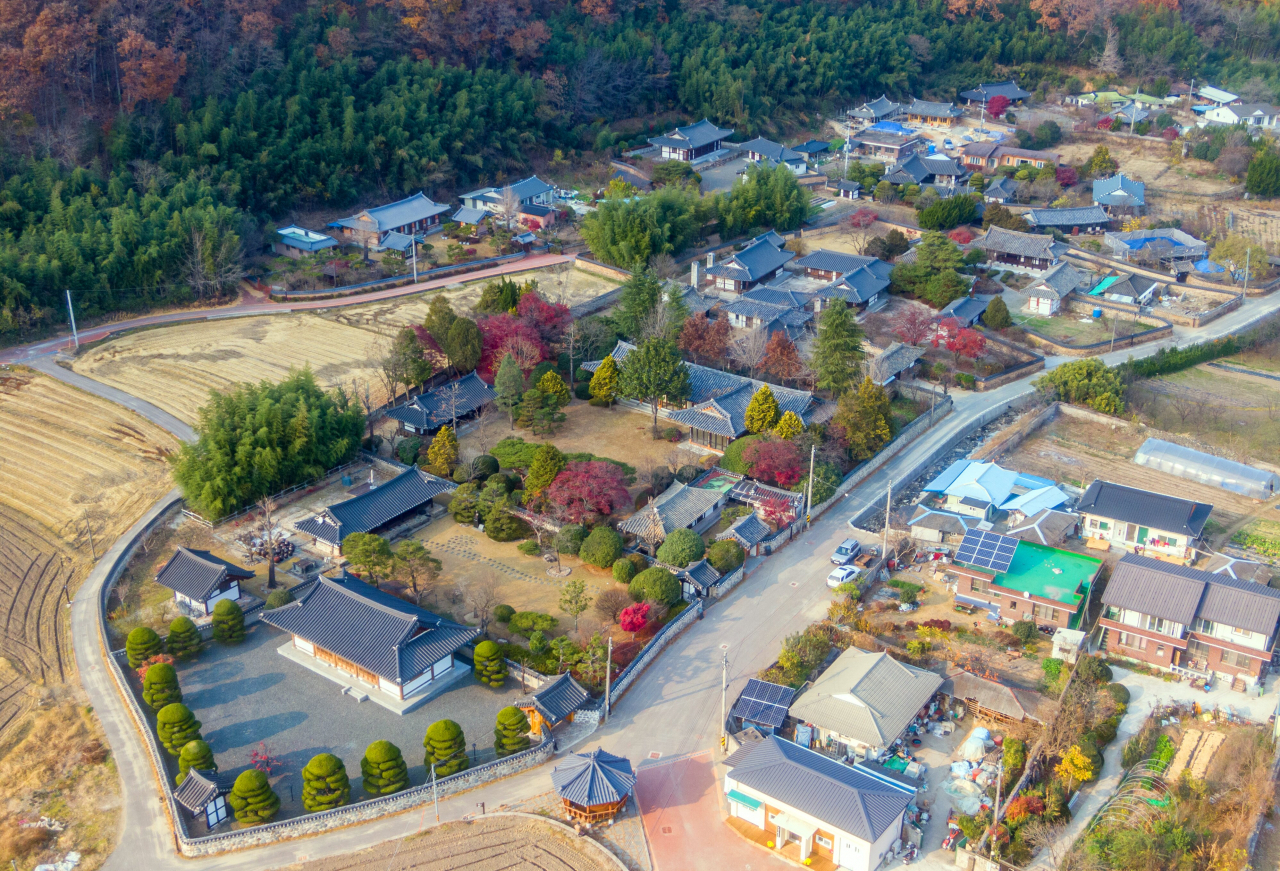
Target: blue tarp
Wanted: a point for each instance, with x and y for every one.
(1209, 266)
(892, 127)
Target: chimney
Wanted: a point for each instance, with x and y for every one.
(711, 259)
(693, 274)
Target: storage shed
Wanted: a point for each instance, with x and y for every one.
(1207, 469)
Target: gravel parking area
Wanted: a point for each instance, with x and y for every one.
(249, 695)
(721, 178)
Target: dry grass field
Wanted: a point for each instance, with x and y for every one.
(176, 367)
(1149, 162)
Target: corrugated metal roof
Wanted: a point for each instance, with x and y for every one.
(593, 778)
(196, 574)
(1153, 510)
(1080, 217)
(1035, 500)
(868, 697)
(842, 797)
(411, 489)
(1119, 190)
(943, 521)
(1157, 588)
(415, 208)
(1239, 603)
(375, 630)
(435, 407)
(992, 695)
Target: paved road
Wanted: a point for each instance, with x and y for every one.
(673, 708)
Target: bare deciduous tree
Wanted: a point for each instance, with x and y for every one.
(509, 207)
(212, 268)
(1041, 835)
(482, 596)
(749, 350)
(664, 266)
(610, 603)
(363, 393)
(487, 417)
(270, 533)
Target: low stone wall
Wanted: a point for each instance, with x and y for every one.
(1095, 260)
(665, 636)
(586, 264)
(729, 581)
(1012, 373)
(1231, 302)
(1012, 438)
(527, 676)
(1154, 334)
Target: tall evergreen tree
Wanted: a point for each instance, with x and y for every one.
(837, 352)
(653, 373)
(547, 463)
(641, 294)
(604, 381)
(509, 384)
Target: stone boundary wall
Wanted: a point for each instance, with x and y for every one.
(1233, 301)
(665, 636)
(1089, 350)
(1012, 438)
(1092, 259)
(595, 267)
(731, 580)
(1013, 373)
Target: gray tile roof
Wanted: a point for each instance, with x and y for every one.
(435, 407)
(726, 414)
(753, 262)
(593, 778)
(1002, 188)
(1132, 113)
(199, 788)
(393, 215)
(1245, 570)
(1002, 241)
(1086, 216)
(373, 629)
(767, 311)
(196, 574)
(839, 262)
(693, 136)
(394, 241)
(930, 109)
(985, 92)
(1153, 510)
(943, 521)
(813, 146)
(853, 186)
(777, 296)
(677, 507)
(888, 695)
(840, 796)
(528, 188)
(1180, 593)
(771, 150)
(966, 310)
(896, 359)
(917, 169)
(465, 215)
(411, 489)
(558, 699)
(1119, 190)
(858, 286)
(1047, 526)
(1239, 603)
(748, 530)
(702, 575)
(881, 107)
(1058, 282)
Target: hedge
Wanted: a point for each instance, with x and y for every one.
(602, 547)
(383, 769)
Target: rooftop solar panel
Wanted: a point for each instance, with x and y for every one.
(764, 703)
(987, 550)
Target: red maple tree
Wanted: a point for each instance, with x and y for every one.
(997, 106)
(913, 324)
(781, 359)
(774, 461)
(503, 334)
(1105, 123)
(961, 235)
(549, 319)
(964, 342)
(703, 339)
(1066, 176)
(634, 617)
(584, 489)
(862, 218)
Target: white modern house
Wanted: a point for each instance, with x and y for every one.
(1253, 114)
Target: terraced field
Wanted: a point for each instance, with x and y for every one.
(75, 472)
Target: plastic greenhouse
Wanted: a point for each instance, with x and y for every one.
(1207, 469)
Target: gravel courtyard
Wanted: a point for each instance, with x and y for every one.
(249, 695)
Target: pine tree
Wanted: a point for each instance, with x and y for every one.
(464, 345)
(789, 426)
(837, 352)
(184, 639)
(490, 666)
(142, 644)
(383, 769)
(864, 416)
(509, 384)
(228, 622)
(442, 456)
(252, 799)
(176, 727)
(997, 315)
(197, 755)
(654, 373)
(446, 747)
(160, 686)
(762, 410)
(547, 463)
(325, 784)
(641, 294)
(511, 734)
(552, 385)
(604, 382)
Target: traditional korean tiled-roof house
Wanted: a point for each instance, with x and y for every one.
(417, 215)
(531, 191)
(1190, 622)
(1120, 195)
(1001, 190)
(593, 787)
(893, 362)
(375, 639)
(680, 506)
(847, 190)
(770, 153)
(812, 148)
(814, 808)
(932, 114)
(1086, 219)
(861, 282)
(753, 314)
(888, 145)
(690, 143)
(469, 217)
(935, 169)
(200, 580)
(748, 531)
(1030, 251)
(984, 92)
(967, 310)
(1131, 113)
(697, 580)
(447, 403)
(1045, 297)
(553, 703)
(1142, 521)
(297, 242)
(412, 491)
(879, 109)
(754, 264)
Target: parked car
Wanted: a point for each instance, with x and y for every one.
(947, 143)
(846, 552)
(843, 575)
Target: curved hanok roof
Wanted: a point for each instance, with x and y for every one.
(594, 778)
(197, 573)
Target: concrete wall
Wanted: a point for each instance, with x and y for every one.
(586, 264)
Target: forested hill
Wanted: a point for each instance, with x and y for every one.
(142, 143)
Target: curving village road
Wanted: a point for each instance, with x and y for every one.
(672, 709)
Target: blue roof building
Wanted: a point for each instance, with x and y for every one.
(415, 215)
(593, 786)
(447, 403)
(527, 192)
(1120, 194)
(297, 242)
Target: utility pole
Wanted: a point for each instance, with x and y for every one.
(809, 510)
(888, 507)
(1247, 252)
(608, 668)
(1115, 318)
(435, 792)
(413, 246)
(74, 334)
(724, 689)
(88, 527)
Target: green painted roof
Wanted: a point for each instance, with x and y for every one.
(1104, 284)
(753, 803)
(1050, 573)
(1104, 96)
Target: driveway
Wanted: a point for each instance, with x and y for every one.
(681, 807)
(721, 178)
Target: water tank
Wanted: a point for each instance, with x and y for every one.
(1097, 312)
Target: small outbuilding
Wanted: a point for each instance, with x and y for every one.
(680, 506)
(554, 703)
(200, 580)
(748, 531)
(985, 698)
(447, 403)
(203, 794)
(593, 787)
(1207, 469)
(763, 705)
(297, 242)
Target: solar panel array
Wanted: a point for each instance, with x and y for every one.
(987, 550)
(764, 703)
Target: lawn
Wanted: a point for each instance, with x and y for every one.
(1072, 328)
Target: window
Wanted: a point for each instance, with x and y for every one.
(823, 842)
(1103, 525)
(1013, 606)
(1245, 632)
(1202, 626)
(1197, 650)
(1047, 612)
(1155, 624)
(1132, 641)
(978, 585)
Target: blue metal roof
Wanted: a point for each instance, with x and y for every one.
(411, 489)
(593, 778)
(373, 629)
(1119, 190)
(395, 215)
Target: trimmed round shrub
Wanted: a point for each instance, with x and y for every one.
(601, 548)
(1091, 668)
(278, 599)
(252, 799)
(529, 548)
(732, 460)
(725, 556)
(325, 784)
(511, 734)
(525, 622)
(569, 539)
(483, 466)
(682, 547)
(176, 727)
(490, 667)
(639, 560)
(160, 686)
(447, 748)
(383, 769)
(197, 755)
(582, 390)
(685, 474)
(1104, 732)
(1119, 692)
(655, 584)
(228, 622)
(623, 571)
(142, 644)
(503, 613)
(1024, 630)
(184, 639)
